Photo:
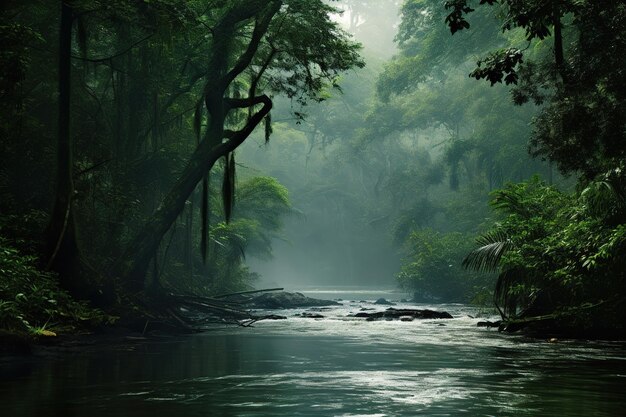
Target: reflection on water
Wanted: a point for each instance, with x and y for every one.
(336, 366)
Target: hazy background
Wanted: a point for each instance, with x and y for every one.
(331, 241)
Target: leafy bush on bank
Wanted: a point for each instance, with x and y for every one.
(31, 301)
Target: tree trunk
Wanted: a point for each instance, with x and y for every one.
(62, 250)
(133, 264)
(559, 57)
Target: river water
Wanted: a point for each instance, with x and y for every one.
(335, 366)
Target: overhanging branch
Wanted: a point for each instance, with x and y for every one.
(240, 103)
(236, 138)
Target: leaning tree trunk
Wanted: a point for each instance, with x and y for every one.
(132, 266)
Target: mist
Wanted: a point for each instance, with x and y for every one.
(378, 160)
(336, 236)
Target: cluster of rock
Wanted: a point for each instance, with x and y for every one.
(488, 323)
(403, 314)
(287, 300)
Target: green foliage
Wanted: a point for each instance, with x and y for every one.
(581, 81)
(310, 50)
(556, 252)
(487, 257)
(265, 200)
(31, 300)
(157, 89)
(262, 205)
(433, 267)
(497, 64)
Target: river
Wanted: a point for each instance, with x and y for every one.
(334, 366)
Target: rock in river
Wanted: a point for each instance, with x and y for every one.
(311, 315)
(403, 314)
(285, 299)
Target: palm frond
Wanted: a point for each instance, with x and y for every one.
(486, 258)
(510, 201)
(603, 196)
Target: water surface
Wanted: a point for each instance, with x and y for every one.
(336, 366)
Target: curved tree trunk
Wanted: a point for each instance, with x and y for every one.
(133, 264)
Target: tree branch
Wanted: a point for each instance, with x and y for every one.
(237, 137)
(240, 103)
(260, 29)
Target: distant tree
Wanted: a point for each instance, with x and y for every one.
(432, 269)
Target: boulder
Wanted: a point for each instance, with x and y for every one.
(382, 301)
(488, 323)
(283, 299)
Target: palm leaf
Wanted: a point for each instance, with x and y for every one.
(603, 196)
(486, 258)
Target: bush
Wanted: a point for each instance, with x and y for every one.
(32, 302)
(433, 267)
(559, 255)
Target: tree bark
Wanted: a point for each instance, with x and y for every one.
(132, 266)
(559, 57)
(62, 249)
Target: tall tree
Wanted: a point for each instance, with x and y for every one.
(62, 247)
(290, 47)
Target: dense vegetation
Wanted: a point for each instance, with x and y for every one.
(561, 255)
(370, 172)
(138, 118)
